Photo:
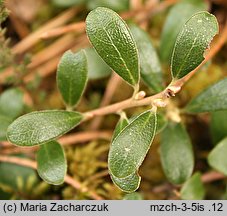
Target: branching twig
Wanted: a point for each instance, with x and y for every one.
(129, 103)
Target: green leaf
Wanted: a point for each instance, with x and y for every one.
(161, 121)
(191, 43)
(130, 147)
(116, 5)
(11, 103)
(193, 188)
(213, 98)
(150, 67)
(72, 76)
(217, 157)
(113, 41)
(133, 196)
(122, 123)
(131, 182)
(176, 153)
(97, 68)
(218, 125)
(4, 123)
(176, 18)
(127, 184)
(51, 163)
(40, 127)
(68, 3)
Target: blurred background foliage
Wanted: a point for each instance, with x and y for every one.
(29, 54)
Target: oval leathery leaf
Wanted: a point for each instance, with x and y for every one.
(193, 188)
(114, 42)
(217, 157)
(191, 43)
(176, 153)
(72, 76)
(213, 98)
(150, 67)
(177, 16)
(40, 127)
(128, 184)
(51, 163)
(130, 147)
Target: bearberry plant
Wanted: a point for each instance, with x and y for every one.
(128, 50)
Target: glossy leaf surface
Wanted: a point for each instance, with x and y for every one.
(51, 163)
(191, 43)
(72, 76)
(127, 184)
(130, 147)
(113, 41)
(39, 127)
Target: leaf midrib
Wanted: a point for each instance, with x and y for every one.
(129, 72)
